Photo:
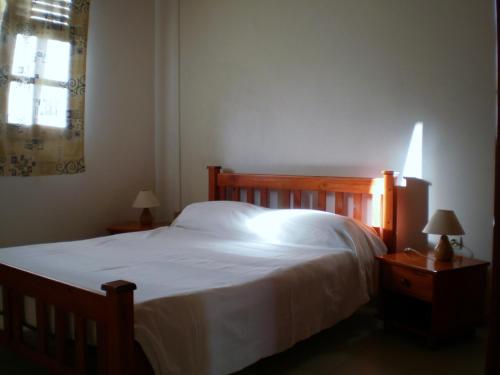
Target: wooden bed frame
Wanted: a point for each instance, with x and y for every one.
(116, 351)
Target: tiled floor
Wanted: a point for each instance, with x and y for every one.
(355, 346)
(360, 346)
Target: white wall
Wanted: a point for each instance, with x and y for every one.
(336, 87)
(167, 107)
(119, 138)
(281, 86)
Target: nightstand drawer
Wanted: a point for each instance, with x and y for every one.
(407, 281)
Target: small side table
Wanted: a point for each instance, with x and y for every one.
(133, 226)
(432, 298)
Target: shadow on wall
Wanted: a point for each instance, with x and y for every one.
(413, 207)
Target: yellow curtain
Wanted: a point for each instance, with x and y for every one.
(43, 48)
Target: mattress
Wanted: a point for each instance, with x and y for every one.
(207, 303)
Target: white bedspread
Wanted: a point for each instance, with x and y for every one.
(211, 305)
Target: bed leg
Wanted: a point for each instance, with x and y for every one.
(120, 327)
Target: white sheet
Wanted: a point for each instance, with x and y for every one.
(206, 304)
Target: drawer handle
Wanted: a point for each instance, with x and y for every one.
(405, 282)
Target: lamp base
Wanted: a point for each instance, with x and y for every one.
(444, 250)
(146, 219)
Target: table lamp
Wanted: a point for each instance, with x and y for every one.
(145, 200)
(444, 222)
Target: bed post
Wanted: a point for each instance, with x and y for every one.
(120, 329)
(389, 212)
(213, 191)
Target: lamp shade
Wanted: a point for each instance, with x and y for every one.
(444, 222)
(146, 199)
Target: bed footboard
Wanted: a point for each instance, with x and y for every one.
(60, 339)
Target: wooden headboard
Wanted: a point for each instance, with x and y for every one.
(349, 195)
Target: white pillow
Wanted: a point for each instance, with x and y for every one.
(221, 217)
(300, 227)
(278, 226)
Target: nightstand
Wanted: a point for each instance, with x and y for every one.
(133, 226)
(435, 299)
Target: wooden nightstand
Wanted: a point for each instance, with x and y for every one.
(432, 298)
(133, 226)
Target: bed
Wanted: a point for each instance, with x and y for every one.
(213, 295)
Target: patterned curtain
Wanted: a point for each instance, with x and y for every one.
(43, 48)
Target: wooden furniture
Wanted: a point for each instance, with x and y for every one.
(133, 226)
(117, 352)
(112, 312)
(432, 298)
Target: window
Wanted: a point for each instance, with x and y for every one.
(38, 91)
(43, 51)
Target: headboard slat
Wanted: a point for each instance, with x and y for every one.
(264, 197)
(322, 200)
(358, 206)
(297, 199)
(235, 196)
(340, 206)
(250, 196)
(285, 199)
(222, 193)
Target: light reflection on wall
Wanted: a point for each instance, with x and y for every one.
(413, 163)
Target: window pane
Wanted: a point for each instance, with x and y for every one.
(53, 106)
(20, 107)
(57, 59)
(24, 56)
